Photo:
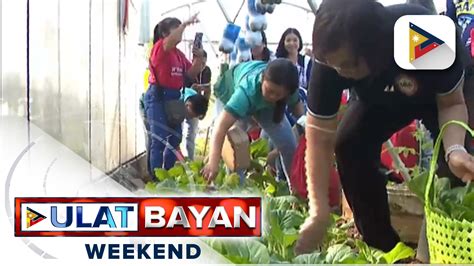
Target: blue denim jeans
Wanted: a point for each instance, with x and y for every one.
(163, 141)
(147, 129)
(190, 129)
(280, 134)
(281, 174)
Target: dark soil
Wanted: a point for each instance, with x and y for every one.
(409, 261)
(352, 232)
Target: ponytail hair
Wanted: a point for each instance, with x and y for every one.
(163, 28)
(284, 73)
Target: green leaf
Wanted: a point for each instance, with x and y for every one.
(200, 180)
(232, 180)
(468, 200)
(282, 189)
(216, 244)
(241, 251)
(167, 186)
(168, 183)
(337, 232)
(335, 236)
(357, 260)
(346, 225)
(282, 232)
(442, 184)
(418, 184)
(259, 148)
(282, 202)
(275, 259)
(219, 180)
(288, 219)
(262, 161)
(415, 171)
(419, 135)
(197, 187)
(256, 166)
(313, 258)
(177, 171)
(290, 236)
(457, 203)
(270, 189)
(469, 187)
(339, 254)
(161, 174)
(426, 146)
(196, 167)
(399, 252)
(456, 194)
(262, 179)
(273, 229)
(256, 178)
(251, 186)
(268, 177)
(371, 255)
(448, 199)
(457, 211)
(151, 187)
(183, 180)
(251, 191)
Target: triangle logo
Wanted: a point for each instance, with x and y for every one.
(422, 42)
(33, 217)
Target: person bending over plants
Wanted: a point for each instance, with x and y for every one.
(353, 47)
(261, 91)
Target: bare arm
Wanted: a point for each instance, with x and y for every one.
(197, 64)
(174, 38)
(224, 122)
(176, 35)
(320, 135)
(452, 107)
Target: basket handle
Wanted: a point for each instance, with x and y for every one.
(436, 150)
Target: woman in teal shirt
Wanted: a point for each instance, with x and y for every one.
(261, 91)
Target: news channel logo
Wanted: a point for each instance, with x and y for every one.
(102, 217)
(424, 42)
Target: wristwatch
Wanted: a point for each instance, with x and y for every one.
(451, 149)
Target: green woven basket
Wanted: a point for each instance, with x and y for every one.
(450, 240)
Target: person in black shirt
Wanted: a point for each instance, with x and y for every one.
(353, 48)
(461, 12)
(202, 85)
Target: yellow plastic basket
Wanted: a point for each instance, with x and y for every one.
(450, 240)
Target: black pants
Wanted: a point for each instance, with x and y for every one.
(360, 136)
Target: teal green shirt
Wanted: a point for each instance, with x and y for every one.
(188, 92)
(240, 89)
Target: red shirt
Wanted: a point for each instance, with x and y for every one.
(170, 66)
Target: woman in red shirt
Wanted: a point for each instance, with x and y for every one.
(168, 67)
